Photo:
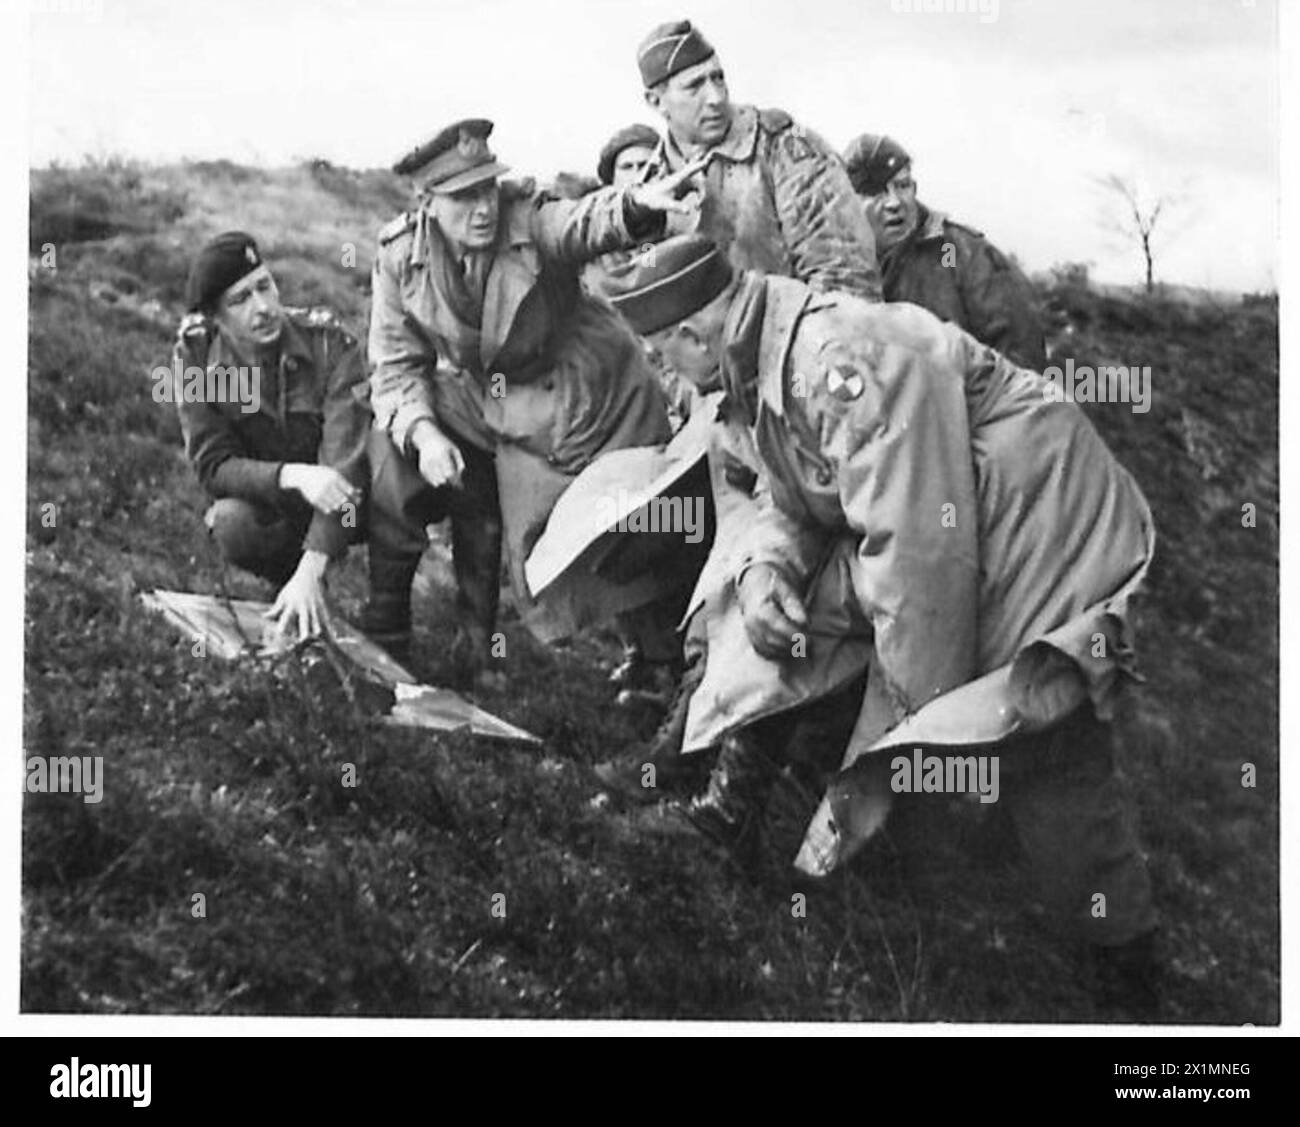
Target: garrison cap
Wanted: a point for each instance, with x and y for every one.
(873, 161)
(457, 158)
(669, 282)
(223, 260)
(637, 134)
(670, 48)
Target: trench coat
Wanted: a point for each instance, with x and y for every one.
(993, 540)
(547, 378)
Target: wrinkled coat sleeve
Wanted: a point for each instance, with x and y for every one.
(402, 360)
(212, 444)
(774, 537)
(999, 305)
(574, 232)
(907, 489)
(822, 221)
(344, 430)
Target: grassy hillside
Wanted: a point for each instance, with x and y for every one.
(226, 780)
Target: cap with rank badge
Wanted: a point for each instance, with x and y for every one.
(456, 159)
(873, 161)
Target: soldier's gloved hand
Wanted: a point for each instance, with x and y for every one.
(301, 602)
(440, 459)
(322, 487)
(772, 610)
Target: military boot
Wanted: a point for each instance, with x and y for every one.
(476, 561)
(730, 811)
(627, 776)
(386, 619)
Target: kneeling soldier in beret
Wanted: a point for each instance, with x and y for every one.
(929, 260)
(496, 375)
(285, 463)
(920, 475)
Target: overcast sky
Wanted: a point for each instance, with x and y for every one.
(1009, 114)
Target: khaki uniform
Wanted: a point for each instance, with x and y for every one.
(531, 370)
(975, 534)
(959, 276)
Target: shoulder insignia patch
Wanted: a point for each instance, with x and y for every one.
(844, 383)
(397, 227)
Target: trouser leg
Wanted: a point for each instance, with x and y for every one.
(263, 539)
(401, 505)
(476, 550)
(1077, 827)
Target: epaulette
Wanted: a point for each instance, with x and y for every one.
(524, 189)
(774, 121)
(320, 318)
(397, 227)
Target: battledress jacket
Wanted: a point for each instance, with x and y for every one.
(311, 408)
(959, 276)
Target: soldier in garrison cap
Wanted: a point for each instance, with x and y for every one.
(285, 465)
(496, 378)
(912, 476)
(775, 196)
(928, 259)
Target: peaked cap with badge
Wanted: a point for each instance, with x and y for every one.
(455, 159)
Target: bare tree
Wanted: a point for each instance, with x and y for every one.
(1138, 216)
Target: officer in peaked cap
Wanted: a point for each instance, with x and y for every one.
(456, 159)
(928, 259)
(495, 376)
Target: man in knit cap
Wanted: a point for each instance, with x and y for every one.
(930, 260)
(286, 467)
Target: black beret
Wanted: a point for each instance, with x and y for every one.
(668, 282)
(670, 48)
(219, 265)
(624, 139)
(457, 158)
(872, 162)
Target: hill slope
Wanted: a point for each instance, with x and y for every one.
(378, 899)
